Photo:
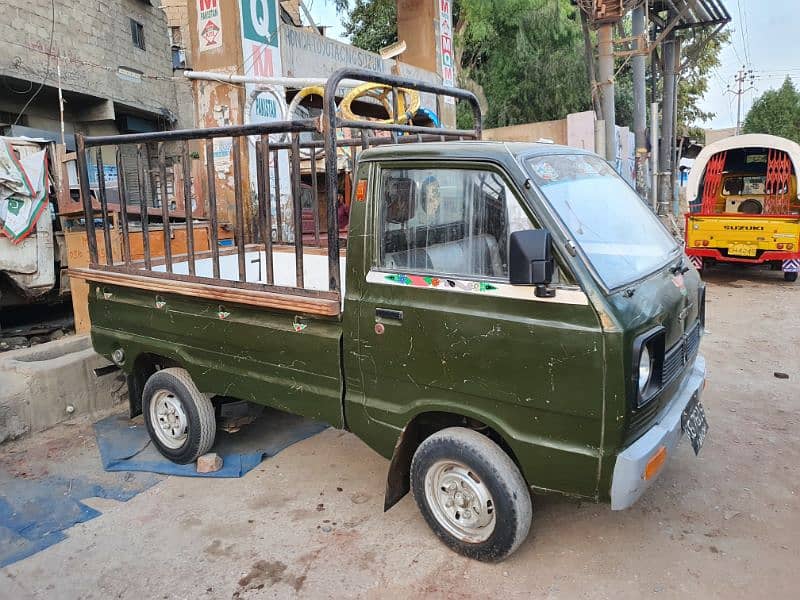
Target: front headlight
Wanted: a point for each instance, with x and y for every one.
(645, 369)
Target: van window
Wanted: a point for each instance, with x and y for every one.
(447, 221)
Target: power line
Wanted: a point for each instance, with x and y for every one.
(47, 70)
(82, 63)
(743, 32)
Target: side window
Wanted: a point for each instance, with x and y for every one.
(447, 221)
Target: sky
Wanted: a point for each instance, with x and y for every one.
(764, 38)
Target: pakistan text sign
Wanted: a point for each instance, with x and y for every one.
(446, 45)
(209, 24)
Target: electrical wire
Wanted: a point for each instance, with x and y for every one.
(47, 70)
(744, 32)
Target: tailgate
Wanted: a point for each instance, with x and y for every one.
(758, 233)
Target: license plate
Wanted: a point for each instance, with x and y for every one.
(742, 250)
(694, 425)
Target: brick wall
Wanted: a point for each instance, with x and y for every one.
(93, 39)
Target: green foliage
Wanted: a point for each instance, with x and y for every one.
(526, 54)
(776, 112)
(528, 57)
(370, 24)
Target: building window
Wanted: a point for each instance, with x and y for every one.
(137, 34)
(176, 39)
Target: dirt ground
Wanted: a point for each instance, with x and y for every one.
(309, 522)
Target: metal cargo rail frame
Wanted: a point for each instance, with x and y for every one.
(140, 274)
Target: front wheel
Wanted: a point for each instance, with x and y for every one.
(471, 494)
(179, 418)
(790, 276)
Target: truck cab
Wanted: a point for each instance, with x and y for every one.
(493, 329)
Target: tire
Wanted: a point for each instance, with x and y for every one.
(180, 420)
(458, 460)
(790, 276)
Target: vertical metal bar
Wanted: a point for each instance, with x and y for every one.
(329, 133)
(364, 140)
(237, 195)
(143, 205)
(395, 116)
(211, 176)
(123, 208)
(187, 205)
(315, 194)
(266, 208)
(298, 210)
(162, 180)
(260, 193)
(88, 213)
(278, 216)
(101, 192)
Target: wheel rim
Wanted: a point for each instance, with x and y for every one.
(169, 419)
(460, 501)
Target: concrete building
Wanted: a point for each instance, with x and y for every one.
(111, 58)
(177, 13)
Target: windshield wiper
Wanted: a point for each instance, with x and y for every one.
(679, 268)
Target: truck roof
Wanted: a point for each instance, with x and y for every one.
(466, 149)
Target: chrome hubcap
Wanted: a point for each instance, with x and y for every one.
(168, 418)
(460, 501)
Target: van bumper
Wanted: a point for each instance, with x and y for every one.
(628, 482)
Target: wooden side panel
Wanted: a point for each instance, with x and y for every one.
(78, 257)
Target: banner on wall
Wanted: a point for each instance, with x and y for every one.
(209, 24)
(262, 58)
(446, 46)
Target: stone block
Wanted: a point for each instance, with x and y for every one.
(208, 463)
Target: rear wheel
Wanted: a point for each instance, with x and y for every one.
(790, 276)
(179, 418)
(471, 494)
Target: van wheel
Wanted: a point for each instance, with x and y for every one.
(790, 276)
(179, 419)
(471, 494)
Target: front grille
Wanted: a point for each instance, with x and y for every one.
(680, 353)
(675, 360)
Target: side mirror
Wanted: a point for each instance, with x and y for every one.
(530, 259)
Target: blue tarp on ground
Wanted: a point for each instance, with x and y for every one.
(125, 446)
(35, 512)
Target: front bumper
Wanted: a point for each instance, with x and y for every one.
(628, 482)
(766, 257)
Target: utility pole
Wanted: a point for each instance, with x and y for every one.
(640, 97)
(605, 52)
(741, 76)
(665, 190)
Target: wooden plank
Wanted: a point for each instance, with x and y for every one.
(287, 302)
(78, 256)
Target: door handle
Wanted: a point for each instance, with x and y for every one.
(387, 313)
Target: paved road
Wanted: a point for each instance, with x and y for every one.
(309, 522)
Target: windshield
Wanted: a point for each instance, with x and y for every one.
(606, 218)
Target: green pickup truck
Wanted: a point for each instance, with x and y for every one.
(508, 319)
